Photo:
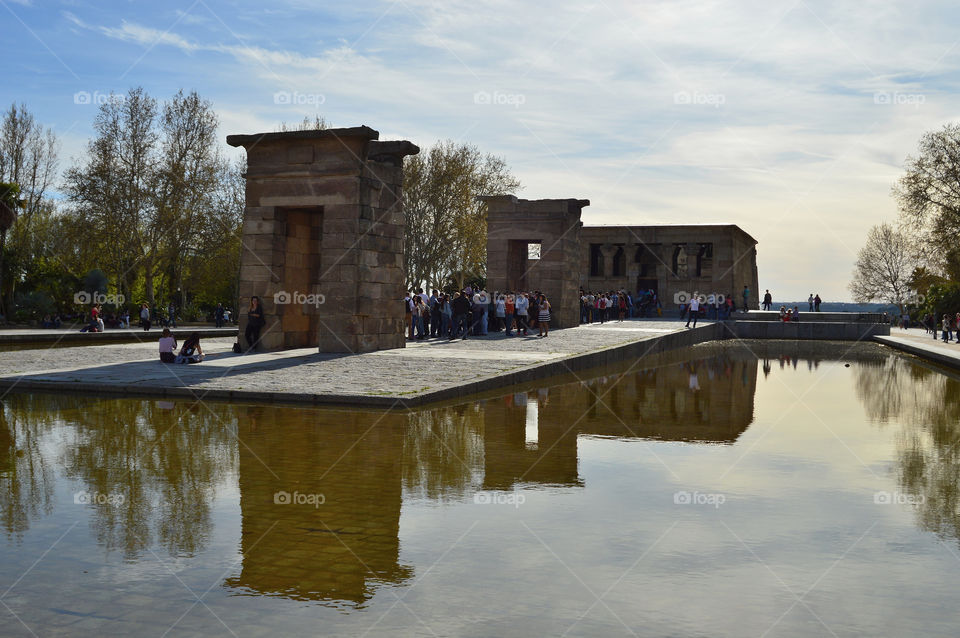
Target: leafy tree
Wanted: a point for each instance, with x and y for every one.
(9, 207)
(446, 227)
(28, 157)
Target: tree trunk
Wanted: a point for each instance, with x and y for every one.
(148, 285)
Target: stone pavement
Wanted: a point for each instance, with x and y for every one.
(71, 334)
(918, 342)
(424, 371)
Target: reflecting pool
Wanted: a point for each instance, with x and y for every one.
(760, 488)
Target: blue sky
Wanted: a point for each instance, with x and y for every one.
(791, 119)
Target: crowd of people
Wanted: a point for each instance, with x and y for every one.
(475, 312)
(949, 326)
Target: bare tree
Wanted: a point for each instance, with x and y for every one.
(884, 266)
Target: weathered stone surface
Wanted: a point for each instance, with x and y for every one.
(324, 218)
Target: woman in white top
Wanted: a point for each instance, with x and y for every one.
(168, 344)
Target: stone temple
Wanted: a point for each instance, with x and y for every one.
(542, 245)
(323, 245)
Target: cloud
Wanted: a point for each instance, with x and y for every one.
(788, 118)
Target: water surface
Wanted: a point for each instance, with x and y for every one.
(724, 490)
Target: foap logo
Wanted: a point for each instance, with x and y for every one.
(914, 299)
(516, 499)
(284, 298)
(697, 98)
(499, 98)
(684, 497)
(296, 98)
(897, 98)
(96, 498)
(684, 297)
(898, 498)
(97, 98)
(298, 498)
(85, 298)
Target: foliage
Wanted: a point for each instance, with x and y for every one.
(446, 227)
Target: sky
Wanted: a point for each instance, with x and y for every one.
(790, 119)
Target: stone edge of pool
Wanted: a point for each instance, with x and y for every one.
(640, 347)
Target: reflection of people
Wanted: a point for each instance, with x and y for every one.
(168, 343)
(694, 379)
(191, 352)
(255, 323)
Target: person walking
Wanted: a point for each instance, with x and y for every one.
(543, 318)
(694, 310)
(255, 323)
(767, 300)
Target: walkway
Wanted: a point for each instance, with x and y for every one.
(422, 372)
(922, 344)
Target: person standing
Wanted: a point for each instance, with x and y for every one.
(767, 300)
(810, 302)
(816, 303)
(435, 314)
(509, 307)
(218, 315)
(694, 309)
(746, 298)
(145, 316)
(501, 310)
(461, 316)
(543, 318)
(408, 314)
(255, 323)
(172, 313)
(521, 307)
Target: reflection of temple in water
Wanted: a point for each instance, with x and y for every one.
(532, 438)
(365, 463)
(334, 551)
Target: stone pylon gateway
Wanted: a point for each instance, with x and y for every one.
(323, 238)
(535, 245)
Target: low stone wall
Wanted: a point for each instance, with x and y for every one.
(816, 330)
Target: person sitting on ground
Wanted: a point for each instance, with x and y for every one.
(796, 314)
(191, 352)
(783, 313)
(168, 343)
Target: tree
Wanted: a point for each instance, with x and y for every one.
(884, 267)
(9, 205)
(28, 157)
(446, 227)
(149, 185)
(928, 195)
